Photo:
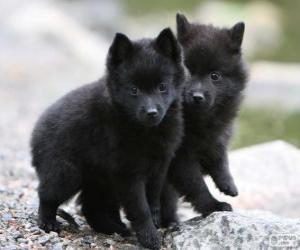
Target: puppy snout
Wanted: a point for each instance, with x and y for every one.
(198, 97)
(152, 112)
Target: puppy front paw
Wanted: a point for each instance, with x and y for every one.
(149, 237)
(216, 207)
(155, 213)
(227, 187)
(167, 222)
(48, 226)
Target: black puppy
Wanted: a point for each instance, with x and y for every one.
(113, 140)
(211, 101)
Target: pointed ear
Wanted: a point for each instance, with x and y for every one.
(120, 49)
(182, 24)
(237, 34)
(167, 44)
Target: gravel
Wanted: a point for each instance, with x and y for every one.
(18, 228)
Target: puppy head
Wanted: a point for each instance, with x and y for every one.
(213, 57)
(146, 76)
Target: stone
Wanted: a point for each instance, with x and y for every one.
(17, 235)
(11, 247)
(88, 239)
(35, 229)
(44, 239)
(267, 176)
(242, 230)
(58, 246)
(6, 217)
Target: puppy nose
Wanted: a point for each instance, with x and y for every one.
(198, 97)
(152, 112)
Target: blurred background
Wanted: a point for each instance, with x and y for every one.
(48, 47)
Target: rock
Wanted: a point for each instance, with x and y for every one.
(22, 240)
(243, 230)
(44, 239)
(17, 235)
(108, 243)
(58, 246)
(6, 217)
(35, 229)
(11, 247)
(88, 239)
(267, 176)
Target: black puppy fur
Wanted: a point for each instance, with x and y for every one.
(211, 101)
(113, 139)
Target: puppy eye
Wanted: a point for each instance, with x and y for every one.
(215, 76)
(162, 87)
(134, 91)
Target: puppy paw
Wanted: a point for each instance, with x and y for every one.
(228, 187)
(216, 207)
(48, 226)
(223, 206)
(149, 238)
(166, 223)
(110, 227)
(155, 213)
(123, 230)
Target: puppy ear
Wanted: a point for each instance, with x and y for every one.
(120, 49)
(167, 44)
(182, 24)
(237, 34)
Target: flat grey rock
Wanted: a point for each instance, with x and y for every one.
(267, 176)
(243, 230)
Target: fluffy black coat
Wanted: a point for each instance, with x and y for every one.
(211, 101)
(113, 139)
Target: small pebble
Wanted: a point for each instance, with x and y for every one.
(108, 242)
(6, 217)
(35, 229)
(34, 237)
(43, 240)
(17, 235)
(53, 234)
(11, 247)
(22, 240)
(57, 246)
(55, 240)
(88, 239)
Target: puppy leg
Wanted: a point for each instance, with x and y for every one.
(101, 209)
(216, 164)
(47, 215)
(153, 191)
(133, 197)
(55, 187)
(169, 199)
(186, 177)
